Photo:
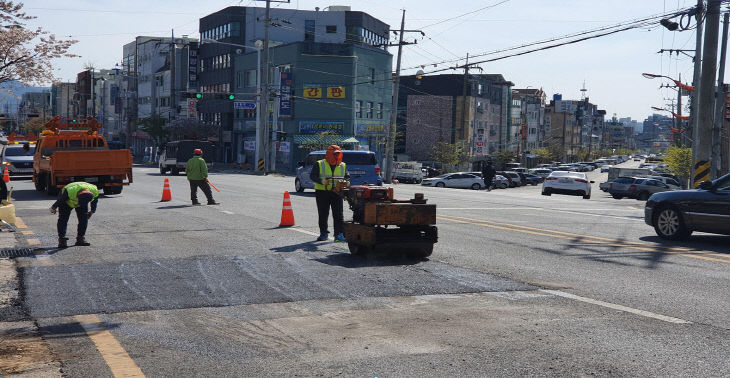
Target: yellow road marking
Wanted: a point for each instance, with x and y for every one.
(702, 255)
(110, 349)
(33, 242)
(27, 232)
(19, 223)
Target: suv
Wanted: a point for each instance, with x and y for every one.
(514, 178)
(643, 188)
(621, 187)
(19, 160)
(361, 166)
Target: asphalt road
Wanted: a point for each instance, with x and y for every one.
(519, 284)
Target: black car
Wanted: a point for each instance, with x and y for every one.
(531, 179)
(675, 215)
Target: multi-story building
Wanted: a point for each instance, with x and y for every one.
(530, 128)
(575, 128)
(232, 31)
(342, 89)
(436, 109)
(34, 104)
(62, 95)
(147, 87)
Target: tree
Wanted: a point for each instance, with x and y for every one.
(35, 125)
(543, 155)
(449, 154)
(25, 54)
(679, 161)
(504, 157)
(191, 129)
(155, 127)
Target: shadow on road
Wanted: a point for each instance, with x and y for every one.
(174, 207)
(376, 259)
(710, 243)
(310, 246)
(68, 330)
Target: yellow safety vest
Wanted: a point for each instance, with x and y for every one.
(73, 190)
(325, 172)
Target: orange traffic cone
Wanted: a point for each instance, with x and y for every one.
(166, 194)
(6, 175)
(287, 214)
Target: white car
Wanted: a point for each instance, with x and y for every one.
(455, 180)
(574, 183)
(605, 167)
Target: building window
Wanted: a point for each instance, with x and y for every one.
(235, 29)
(369, 110)
(358, 109)
(309, 27)
(239, 79)
(372, 75)
(417, 102)
(379, 110)
(331, 29)
(249, 78)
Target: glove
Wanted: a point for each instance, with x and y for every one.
(88, 215)
(326, 182)
(53, 211)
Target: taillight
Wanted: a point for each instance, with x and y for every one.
(550, 178)
(377, 170)
(581, 180)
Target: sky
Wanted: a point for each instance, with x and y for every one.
(609, 67)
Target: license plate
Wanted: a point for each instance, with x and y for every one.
(563, 180)
(92, 179)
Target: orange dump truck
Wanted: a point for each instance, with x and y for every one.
(71, 150)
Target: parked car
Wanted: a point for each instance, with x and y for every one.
(18, 159)
(574, 183)
(591, 165)
(455, 180)
(605, 168)
(531, 179)
(541, 172)
(362, 166)
(676, 214)
(500, 182)
(643, 188)
(673, 183)
(513, 177)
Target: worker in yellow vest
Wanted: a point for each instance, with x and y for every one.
(76, 196)
(325, 175)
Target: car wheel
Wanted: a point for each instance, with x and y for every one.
(476, 186)
(668, 224)
(503, 186)
(546, 192)
(298, 186)
(643, 196)
(586, 196)
(616, 196)
(440, 185)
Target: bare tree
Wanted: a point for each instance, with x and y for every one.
(191, 129)
(26, 54)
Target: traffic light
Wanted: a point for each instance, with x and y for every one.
(231, 96)
(196, 95)
(281, 136)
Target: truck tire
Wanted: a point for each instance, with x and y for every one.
(39, 181)
(52, 190)
(108, 190)
(174, 171)
(162, 170)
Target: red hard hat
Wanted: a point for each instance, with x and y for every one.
(197, 151)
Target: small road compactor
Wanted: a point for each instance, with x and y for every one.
(382, 223)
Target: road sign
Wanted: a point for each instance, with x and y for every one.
(244, 105)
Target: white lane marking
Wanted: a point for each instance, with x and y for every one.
(227, 212)
(640, 219)
(618, 307)
(307, 232)
(526, 208)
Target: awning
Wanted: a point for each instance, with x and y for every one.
(331, 139)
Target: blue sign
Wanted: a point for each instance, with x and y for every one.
(244, 105)
(285, 101)
(316, 127)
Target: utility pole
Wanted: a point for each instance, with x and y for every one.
(390, 146)
(682, 136)
(695, 95)
(716, 164)
(263, 136)
(464, 123)
(706, 114)
(173, 104)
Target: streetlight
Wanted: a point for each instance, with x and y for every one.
(679, 83)
(261, 140)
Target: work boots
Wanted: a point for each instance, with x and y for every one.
(62, 243)
(81, 242)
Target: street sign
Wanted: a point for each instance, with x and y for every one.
(244, 105)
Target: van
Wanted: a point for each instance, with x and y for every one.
(176, 154)
(362, 166)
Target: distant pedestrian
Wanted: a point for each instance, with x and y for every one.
(77, 196)
(325, 175)
(488, 174)
(197, 172)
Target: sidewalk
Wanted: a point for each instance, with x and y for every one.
(23, 353)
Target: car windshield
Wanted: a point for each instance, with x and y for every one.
(443, 176)
(18, 151)
(723, 183)
(359, 158)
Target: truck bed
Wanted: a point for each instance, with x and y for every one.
(91, 163)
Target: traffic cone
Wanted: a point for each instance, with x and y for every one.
(287, 214)
(6, 175)
(166, 194)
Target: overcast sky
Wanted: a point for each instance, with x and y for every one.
(610, 66)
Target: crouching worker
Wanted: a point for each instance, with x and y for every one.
(76, 196)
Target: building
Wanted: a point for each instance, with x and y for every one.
(147, 87)
(441, 108)
(343, 89)
(530, 127)
(233, 31)
(34, 104)
(575, 128)
(62, 95)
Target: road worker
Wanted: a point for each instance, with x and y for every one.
(76, 196)
(325, 175)
(197, 172)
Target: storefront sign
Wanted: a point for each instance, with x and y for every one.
(284, 146)
(249, 145)
(192, 66)
(285, 100)
(370, 129)
(314, 127)
(312, 91)
(335, 92)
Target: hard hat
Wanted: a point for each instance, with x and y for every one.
(197, 151)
